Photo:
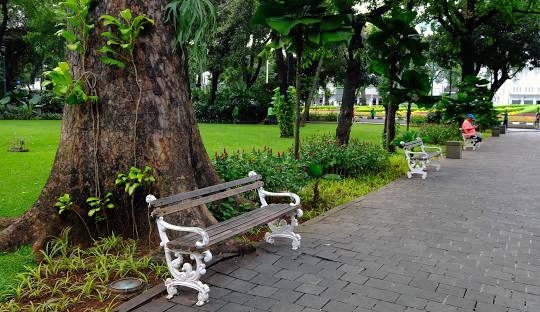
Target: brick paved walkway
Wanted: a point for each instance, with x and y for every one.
(465, 239)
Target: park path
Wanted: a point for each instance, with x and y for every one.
(465, 239)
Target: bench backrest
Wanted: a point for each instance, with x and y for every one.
(412, 144)
(182, 201)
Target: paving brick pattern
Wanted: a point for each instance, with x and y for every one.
(465, 239)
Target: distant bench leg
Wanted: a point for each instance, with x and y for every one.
(280, 228)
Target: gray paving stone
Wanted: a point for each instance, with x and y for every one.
(311, 289)
(286, 295)
(263, 291)
(384, 306)
(312, 301)
(243, 274)
(286, 307)
(336, 306)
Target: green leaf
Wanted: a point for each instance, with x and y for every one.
(126, 15)
(110, 20)
(108, 34)
(5, 100)
(335, 36)
(68, 35)
(315, 170)
(73, 46)
(281, 24)
(106, 49)
(110, 61)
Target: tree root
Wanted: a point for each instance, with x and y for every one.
(5, 222)
(20, 232)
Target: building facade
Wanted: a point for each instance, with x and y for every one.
(523, 89)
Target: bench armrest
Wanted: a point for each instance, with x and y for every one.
(294, 198)
(163, 226)
(432, 147)
(410, 154)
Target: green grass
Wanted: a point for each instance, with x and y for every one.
(13, 263)
(24, 174)
(246, 137)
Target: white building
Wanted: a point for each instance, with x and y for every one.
(522, 89)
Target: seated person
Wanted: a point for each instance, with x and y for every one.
(469, 130)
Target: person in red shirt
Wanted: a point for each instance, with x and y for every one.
(469, 129)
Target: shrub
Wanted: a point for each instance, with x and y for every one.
(284, 110)
(251, 103)
(323, 117)
(418, 120)
(351, 160)
(439, 134)
(434, 117)
(280, 171)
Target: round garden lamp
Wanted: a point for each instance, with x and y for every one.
(126, 286)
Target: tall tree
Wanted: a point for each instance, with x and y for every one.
(396, 46)
(302, 25)
(356, 73)
(464, 24)
(96, 139)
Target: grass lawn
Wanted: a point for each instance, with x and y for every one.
(24, 174)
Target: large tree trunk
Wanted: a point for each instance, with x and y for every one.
(343, 130)
(168, 138)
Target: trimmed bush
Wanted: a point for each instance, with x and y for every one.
(351, 160)
(280, 171)
(439, 134)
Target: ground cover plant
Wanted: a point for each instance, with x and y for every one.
(75, 279)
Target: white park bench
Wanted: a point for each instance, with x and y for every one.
(195, 242)
(418, 161)
(469, 143)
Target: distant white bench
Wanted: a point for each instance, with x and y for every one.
(469, 143)
(418, 161)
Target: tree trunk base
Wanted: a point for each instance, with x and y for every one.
(5, 222)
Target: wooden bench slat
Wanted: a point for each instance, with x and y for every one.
(190, 203)
(235, 226)
(203, 191)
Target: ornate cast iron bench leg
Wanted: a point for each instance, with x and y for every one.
(185, 275)
(281, 228)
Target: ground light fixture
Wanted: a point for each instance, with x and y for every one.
(126, 286)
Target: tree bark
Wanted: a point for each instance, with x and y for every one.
(299, 50)
(5, 18)
(408, 115)
(213, 87)
(168, 136)
(343, 130)
(314, 88)
(281, 70)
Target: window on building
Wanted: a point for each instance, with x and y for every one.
(527, 101)
(537, 101)
(516, 101)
